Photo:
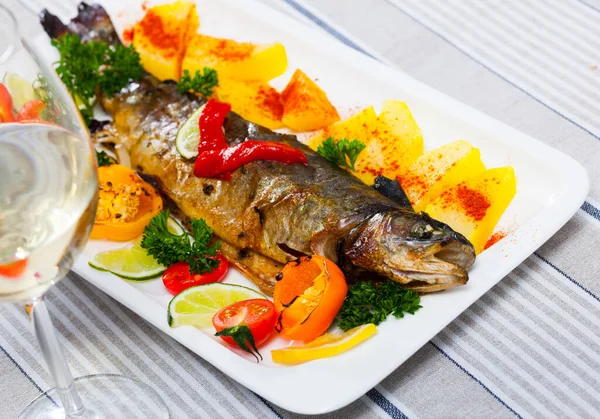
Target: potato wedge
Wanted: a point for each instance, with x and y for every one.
(234, 60)
(474, 206)
(159, 38)
(358, 127)
(305, 105)
(396, 142)
(256, 101)
(438, 170)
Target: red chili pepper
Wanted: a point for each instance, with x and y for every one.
(211, 126)
(216, 162)
(6, 113)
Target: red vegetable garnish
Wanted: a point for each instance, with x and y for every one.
(177, 277)
(31, 111)
(215, 162)
(247, 324)
(211, 126)
(13, 270)
(6, 113)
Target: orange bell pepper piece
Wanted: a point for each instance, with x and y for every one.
(126, 204)
(308, 295)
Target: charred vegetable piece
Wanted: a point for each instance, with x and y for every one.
(308, 295)
(126, 204)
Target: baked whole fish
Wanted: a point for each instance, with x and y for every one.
(269, 206)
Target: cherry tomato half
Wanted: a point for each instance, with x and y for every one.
(177, 277)
(31, 111)
(258, 314)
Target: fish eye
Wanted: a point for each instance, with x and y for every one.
(422, 231)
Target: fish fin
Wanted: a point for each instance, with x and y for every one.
(92, 23)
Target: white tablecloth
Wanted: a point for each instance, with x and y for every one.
(529, 348)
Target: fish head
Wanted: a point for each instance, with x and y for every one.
(412, 249)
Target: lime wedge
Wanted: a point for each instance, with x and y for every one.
(132, 262)
(197, 305)
(188, 135)
(21, 90)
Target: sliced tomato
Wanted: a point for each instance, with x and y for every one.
(177, 277)
(247, 324)
(13, 270)
(6, 113)
(31, 111)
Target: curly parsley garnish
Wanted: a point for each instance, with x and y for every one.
(342, 153)
(367, 302)
(86, 68)
(168, 248)
(201, 83)
(103, 159)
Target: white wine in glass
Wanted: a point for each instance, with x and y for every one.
(48, 195)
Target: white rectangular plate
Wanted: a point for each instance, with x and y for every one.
(551, 187)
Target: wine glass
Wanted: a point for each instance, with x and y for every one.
(48, 196)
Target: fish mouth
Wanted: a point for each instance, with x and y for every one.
(436, 267)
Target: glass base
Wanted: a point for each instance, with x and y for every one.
(104, 396)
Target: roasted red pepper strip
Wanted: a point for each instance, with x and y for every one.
(215, 162)
(6, 112)
(211, 126)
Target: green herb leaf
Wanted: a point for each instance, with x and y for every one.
(367, 302)
(201, 83)
(103, 159)
(342, 153)
(168, 248)
(86, 68)
(243, 338)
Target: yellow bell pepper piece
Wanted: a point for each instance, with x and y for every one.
(324, 346)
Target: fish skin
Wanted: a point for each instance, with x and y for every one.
(317, 208)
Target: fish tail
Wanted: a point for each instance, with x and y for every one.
(92, 23)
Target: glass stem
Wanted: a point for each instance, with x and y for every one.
(55, 359)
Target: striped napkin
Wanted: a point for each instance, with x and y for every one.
(529, 348)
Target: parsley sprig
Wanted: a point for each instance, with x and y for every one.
(201, 83)
(86, 68)
(103, 158)
(168, 248)
(342, 153)
(367, 302)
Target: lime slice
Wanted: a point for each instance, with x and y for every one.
(197, 305)
(132, 262)
(21, 90)
(188, 135)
